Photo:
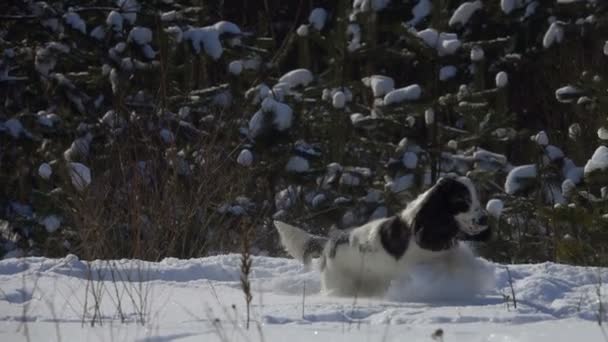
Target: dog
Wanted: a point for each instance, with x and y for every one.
(362, 261)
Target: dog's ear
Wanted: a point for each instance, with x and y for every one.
(456, 197)
(395, 236)
(434, 225)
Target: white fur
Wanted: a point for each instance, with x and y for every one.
(362, 266)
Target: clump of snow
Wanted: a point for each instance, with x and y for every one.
(367, 5)
(14, 126)
(51, 223)
(494, 207)
(297, 77)
(518, 174)
(317, 18)
(128, 10)
(429, 116)
(245, 158)
(508, 6)
(567, 94)
(461, 276)
(420, 11)
(114, 21)
(447, 72)
(541, 138)
(281, 121)
(554, 34)
(73, 20)
(140, 35)
(338, 100)
(45, 171)
(302, 30)
(409, 93)
(463, 13)
(606, 48)
(448, 44)
(410, 160)
(208, 37)
(401, 184)
(381, 85)
(502, 79)
(602, 133)
(568, 187)
(599, 160)
(429, 36)
(354, 37)
(235, 67)
(477, 54)
(297, 164)
(80, 175)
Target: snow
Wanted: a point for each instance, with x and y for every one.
(80, 175)
(447, 72)
(128, 9)
(429, 36)
(420, 11)
(45, 171)
(477, 54)
(73, 20)
(14, 126)
(502, 79)
(602, 133)
(317, 18)
(140, 35)
(541, 138)
(338, 101)
(235, 67)
(302, 30)
(401, 184)
(606, 48)
(245, 158)
(554, 34)
(429, 116)
(114, 21)
(516, 175)
(410, 160)
(448, 44)
(599, 160)
(494, 207)
(51, 223)
(297, 77)
(208, 37)
(409, 93)
(567, 94)
(297, 164)
(508, 6)
(366, 5)
(464, 12)
(282, 117)
(200, 300)
(380, 84)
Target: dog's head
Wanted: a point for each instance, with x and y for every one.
(448, 211)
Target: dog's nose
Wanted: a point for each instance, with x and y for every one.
(483, 220)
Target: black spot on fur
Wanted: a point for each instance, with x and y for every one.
(341, 239)
(314, 248)
(435, 228)
(395, 236)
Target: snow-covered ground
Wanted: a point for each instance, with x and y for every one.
(201, 300)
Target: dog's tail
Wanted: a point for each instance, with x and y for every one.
(299, 244)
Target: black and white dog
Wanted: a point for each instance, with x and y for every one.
(364, 260)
